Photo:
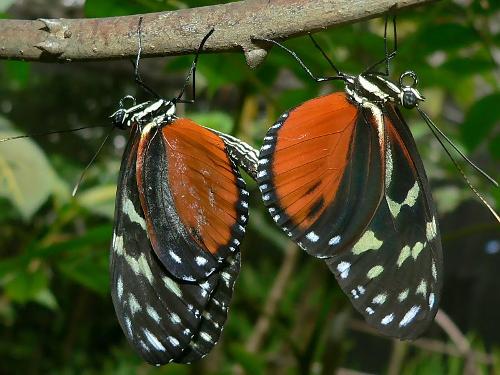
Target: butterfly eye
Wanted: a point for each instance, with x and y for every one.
(409, 95)
(408, 98)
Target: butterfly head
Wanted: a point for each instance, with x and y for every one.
(120, 118)
(409, 96)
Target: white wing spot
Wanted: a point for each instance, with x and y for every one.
(133, 304)
(343, 268)
(409, 316)
(201, 261)
(154, 341)
(410, 200)
(263, 161)
(313, 237)
(173, 341)
(431, 300)
(422, 288)
(172, 286)
(205, 336)
(263, 172)
(375, 271)
(174, 318)
(431, 230)
(387, 319)
(153, 314)
(403, 295)
(369, 310)
(129, 210)
(379, 299)
(367, 242)
(128, 323)
(175, 257)
(334, 240)
(117, 244)
(119, 287)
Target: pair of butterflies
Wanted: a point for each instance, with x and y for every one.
(340, 174)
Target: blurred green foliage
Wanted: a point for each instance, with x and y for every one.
(55, 312)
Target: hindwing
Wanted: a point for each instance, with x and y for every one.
(393, 274)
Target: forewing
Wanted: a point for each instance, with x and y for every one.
(393, 274)
(321, 174)
(162, 317)
(195, 201)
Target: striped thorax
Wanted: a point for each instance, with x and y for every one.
(374, 88)
(163, 111)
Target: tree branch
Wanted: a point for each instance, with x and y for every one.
(180, 32)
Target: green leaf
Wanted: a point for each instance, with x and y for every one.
(444, 36)
(220, 121)
(89, 269)
(480, 120)
(45, 298)
(18, 72)
(495, 147)
(25, 285)
(26, 177)
(5, 4)
(99, 200)
(251, 363)
(468, 65)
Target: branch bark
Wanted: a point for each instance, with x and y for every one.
(180, 32)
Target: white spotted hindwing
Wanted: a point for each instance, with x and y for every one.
(166, 319)
(393, 273)
(193, 198)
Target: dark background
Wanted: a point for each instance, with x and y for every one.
(56, 314)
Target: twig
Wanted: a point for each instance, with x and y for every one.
(460, 341)
(278, 289)
(180, 32)
(427, 344)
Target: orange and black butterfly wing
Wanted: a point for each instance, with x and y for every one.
(194, 199)
(373, 221)
(320, 173)
(164, 318)
(393, 274)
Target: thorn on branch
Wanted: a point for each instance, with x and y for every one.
(58, 33)
(254, 56)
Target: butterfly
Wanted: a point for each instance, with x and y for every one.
(342, 176)
(180, 216)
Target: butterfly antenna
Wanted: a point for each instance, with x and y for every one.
(82, 175)
(436, 131)
(301, 63)
(50, 132)
(192, 73)
(137, 75)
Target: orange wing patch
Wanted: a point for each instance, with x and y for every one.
(311, 154)
(202, 182)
